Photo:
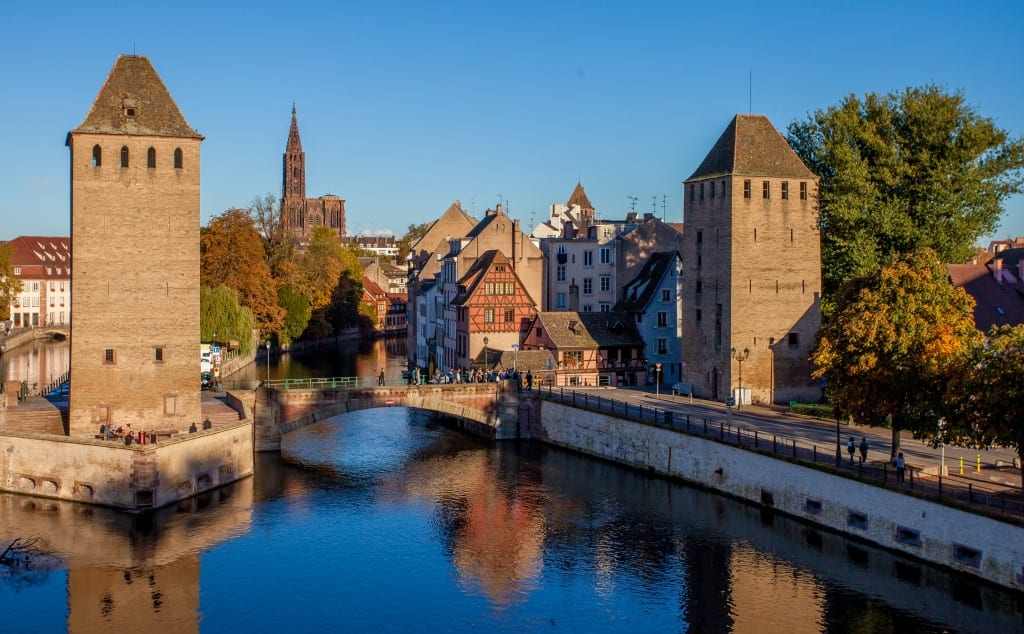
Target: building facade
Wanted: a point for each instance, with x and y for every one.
(43, 265)
(653, 300)
(300, 215)
(134, 173)
(751, 268)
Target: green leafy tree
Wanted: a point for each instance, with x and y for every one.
(297, 313)
(221, 316)
(894, 342)
(232, 253)
(986, 397)
(414, 233)
(9, 285)
(904, 172)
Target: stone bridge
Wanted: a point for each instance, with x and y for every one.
(490, 410)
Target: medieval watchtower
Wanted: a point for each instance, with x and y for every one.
(135, 244)
(751, 267)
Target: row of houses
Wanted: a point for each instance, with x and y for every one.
(43, 265)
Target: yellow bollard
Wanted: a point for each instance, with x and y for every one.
(961, 465)
(979, 463)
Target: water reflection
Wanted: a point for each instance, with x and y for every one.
(387, 520)
(38, 362)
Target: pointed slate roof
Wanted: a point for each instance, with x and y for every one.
(639, 293)
(294, 142)
(579, 197)
(134, 101)
(751, 146)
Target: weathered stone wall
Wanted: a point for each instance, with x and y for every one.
(758, 265)
(969, 543)
(113, 474)
(135, 284)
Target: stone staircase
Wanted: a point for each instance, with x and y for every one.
(218, 412)
(36, 417)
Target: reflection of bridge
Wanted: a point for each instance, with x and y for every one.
(486, 409)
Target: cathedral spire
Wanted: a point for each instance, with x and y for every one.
(294, 143)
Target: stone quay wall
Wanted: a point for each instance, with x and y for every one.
(972, 544)
(130, 477)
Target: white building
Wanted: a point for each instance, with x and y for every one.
(43, 264)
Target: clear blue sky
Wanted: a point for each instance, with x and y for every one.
(405, 107)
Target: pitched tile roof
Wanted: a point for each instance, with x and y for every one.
(751, 146)
(639, 293)
(524, 360)
(568, 330)
(44, 255)
(472, 279)
(995, 303)
(579, 197)
(133, 86)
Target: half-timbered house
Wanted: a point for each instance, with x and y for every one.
(489, 306)
(588, 348)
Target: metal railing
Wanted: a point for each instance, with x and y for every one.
(998, 501)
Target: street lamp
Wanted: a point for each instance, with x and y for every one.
(268, 362)
(486, 341)
(515, 357)
(740, 358)
(657, 379)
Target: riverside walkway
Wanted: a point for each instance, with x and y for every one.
(994, 489)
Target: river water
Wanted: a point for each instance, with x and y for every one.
(391, 521)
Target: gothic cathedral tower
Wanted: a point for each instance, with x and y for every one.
(135, 241)
(752, 267)
(300, 215)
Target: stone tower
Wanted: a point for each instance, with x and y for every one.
(751, 267)
(135, 249)
(298, 213)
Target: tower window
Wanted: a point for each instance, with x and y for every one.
(129, 112)
(692, 189)
(766, 189)
(712, 185)
(803, 191)
(702, 191)
(158, 355)
(177, 158)
(151, 158)
(785, 190)
(124, 156)
(97, 156)
(109, 356)
(746, 188)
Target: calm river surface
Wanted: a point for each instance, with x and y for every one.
(390, 521)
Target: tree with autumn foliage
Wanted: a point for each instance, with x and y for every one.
(9, 285)
(232, 253)
(986, 399)
(896, 339)
(330, 277)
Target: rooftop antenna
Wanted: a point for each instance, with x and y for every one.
(654, 204)
(664, 205)
(500, 200)
(750, 91)
(632, 202)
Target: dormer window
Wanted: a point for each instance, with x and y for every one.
(130, 108)
(129, 112)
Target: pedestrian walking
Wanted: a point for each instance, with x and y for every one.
(863, 450)
(851, 448)
(901, 468)
(380, 379)
(529, 380)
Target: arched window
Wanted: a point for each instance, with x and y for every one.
(124, 156)
(151, 158)
(97, 156)
(177, 158)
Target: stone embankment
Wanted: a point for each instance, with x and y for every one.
(979, 546)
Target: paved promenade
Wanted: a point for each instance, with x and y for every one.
(998, 476)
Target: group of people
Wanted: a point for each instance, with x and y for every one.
(107, 432)
(852, 448)
(470, 376)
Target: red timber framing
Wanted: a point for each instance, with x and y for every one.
(491, 304)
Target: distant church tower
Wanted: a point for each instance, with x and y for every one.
(300, 214)
(135, 249)
(752, 267)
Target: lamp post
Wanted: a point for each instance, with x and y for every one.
(740, 358)
(486, 341)
(657, 379)
(268, 361)
(515, 357)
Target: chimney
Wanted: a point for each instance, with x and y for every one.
(997, 270)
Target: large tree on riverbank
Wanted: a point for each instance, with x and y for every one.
(232, 254)
(9, 285)
(896, 341)
(903, 172)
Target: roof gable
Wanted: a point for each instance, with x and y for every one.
(639, 293)
(134, 101)
(751, 146)
(579, 197)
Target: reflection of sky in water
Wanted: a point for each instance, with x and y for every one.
(388, 522)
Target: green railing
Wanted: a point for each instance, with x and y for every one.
(334, 382)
